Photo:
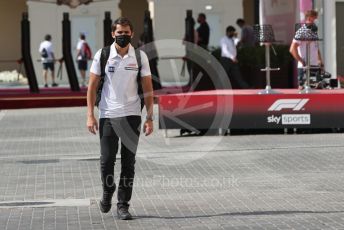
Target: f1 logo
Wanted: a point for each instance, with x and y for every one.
(294, 104)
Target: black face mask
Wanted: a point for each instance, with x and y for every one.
(123, 40)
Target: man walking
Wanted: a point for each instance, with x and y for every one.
(83, 53)
(48, 59)
(229, 59)
(119, 112)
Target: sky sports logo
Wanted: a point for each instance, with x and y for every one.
(290, 119)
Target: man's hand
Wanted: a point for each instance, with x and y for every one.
(147, 87)
(148, 127)
(92, 124)
(321, 64)
(303, 62)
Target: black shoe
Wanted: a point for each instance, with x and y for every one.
(46, 85)
(54, 84)
(182, 131)
(105, 202)
(123, 213)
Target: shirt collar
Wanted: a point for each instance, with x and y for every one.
(231, 39)
(131, 51)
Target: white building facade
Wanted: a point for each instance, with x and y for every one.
(168, 21)
(46, 18)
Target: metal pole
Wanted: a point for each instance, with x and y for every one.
(308, 68)
(308, 53)
(268, 65)
(268, 70)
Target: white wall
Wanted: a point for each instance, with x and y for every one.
(10, 39)
(46, 18)
(169, 16)
(169, 23)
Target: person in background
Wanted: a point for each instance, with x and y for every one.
(247, 34)
(229, 58)
(298, 49)
(82, 58)
(203, 31)
(48, 59)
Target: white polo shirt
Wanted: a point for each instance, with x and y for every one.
(314, 49)
(119, 95)
(79, 47)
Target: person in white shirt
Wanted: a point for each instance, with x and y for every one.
(229, 58)
(48, 59)
(81, 59)
(119, 113)
(298, 49)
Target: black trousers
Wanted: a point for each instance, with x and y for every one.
(127, 129)
(233, 71)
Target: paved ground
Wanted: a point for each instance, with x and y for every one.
(49, 178)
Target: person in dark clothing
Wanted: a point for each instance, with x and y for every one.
(203, 31)
(200, 78)
(202, 40)
(247, 34)
(229, 58)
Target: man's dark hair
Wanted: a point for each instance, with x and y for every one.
(202, 15)
(230, 29)
(240, 21)
(82, 36)
(123, 21)
(47, 37)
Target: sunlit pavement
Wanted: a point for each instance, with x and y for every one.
(49, 178)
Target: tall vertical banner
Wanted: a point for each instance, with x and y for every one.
(281, 14)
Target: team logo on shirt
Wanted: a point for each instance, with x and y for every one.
(131, 66)
(111, 69)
